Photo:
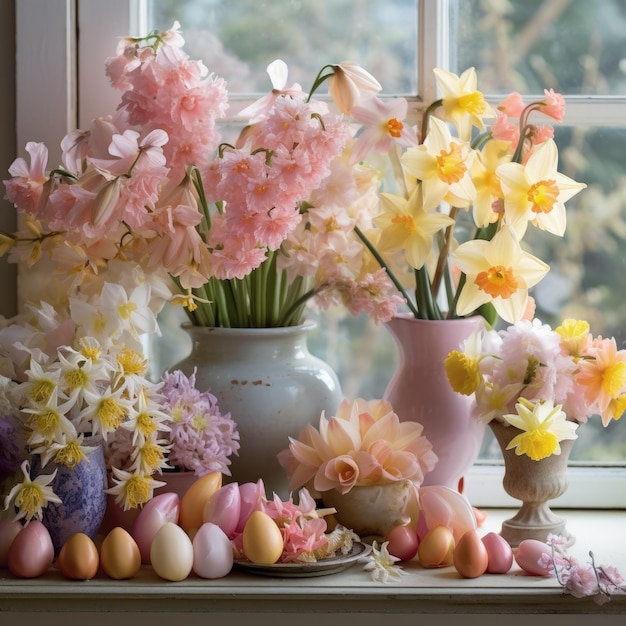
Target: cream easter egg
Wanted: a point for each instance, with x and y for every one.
(171, 553)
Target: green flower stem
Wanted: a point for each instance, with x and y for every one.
(442, 261)
(391, 275)
(425, 303)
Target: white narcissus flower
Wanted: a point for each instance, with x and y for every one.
(31, 496)
(382, 565)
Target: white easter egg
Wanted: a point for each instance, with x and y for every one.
(171, 553)
(212, 552)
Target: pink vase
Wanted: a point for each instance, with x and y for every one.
(419, 391)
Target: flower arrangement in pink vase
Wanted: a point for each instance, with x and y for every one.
(546, 382)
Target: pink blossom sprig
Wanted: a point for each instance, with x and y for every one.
(581, 579)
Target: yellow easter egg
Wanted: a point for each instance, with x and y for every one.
(262, 539)
(119, 554)
(193, 500)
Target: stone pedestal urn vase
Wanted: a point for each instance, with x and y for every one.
(535, 483)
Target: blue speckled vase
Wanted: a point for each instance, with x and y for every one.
(83, 501)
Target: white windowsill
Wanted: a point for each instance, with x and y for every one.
(255, 600)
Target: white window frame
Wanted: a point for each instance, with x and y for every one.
(63, 73)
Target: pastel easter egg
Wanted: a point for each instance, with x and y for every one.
(119, 554)
(194, 499)
(160, 509)
(262, 540)
(402, 542)
(499, 552)
(171, 553)
(470, 556)
(78, 558)
(31, 552)
(436, 548)
(528, 555)
(212, 552)
(9, 529)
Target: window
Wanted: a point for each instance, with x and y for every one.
(519, 45)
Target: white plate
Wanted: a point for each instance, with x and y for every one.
(323, 567)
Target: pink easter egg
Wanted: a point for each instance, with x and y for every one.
(499, 552)
(31, 553)
(212, 552)
(160, 509)
(528, 554)
(9, 530)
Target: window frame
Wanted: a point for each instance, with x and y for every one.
(72, 37)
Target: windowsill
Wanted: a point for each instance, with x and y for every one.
(420, 591)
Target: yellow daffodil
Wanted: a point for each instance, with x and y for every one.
(544, 426)
(489, 202)
(498, 271)
(463, 104)
(443, 165)
(406, 226)
(462, 366)
(535, 192)
(30, 497)
(575, 336)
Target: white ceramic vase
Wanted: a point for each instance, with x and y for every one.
(272, 386)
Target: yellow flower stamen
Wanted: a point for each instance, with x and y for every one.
(132, 362)
(497, 281)
(145, 424)
(407, 222)
(125, 310)
(110, 414)
(394, 127)
(137, 490)
(199, 422)
(543, 196)
(42, 391)
(46, 422)
(76, 378)
(30, 498)
(70, 455)
(537, 444)
(463, 373)
(151, 456)
(91, 352)
(450, 165)
(614, 378)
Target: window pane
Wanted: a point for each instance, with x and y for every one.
(527, 45)
(237, 40)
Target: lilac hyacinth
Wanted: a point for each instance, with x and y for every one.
(202, 439)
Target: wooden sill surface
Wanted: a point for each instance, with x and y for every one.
(420, 591)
